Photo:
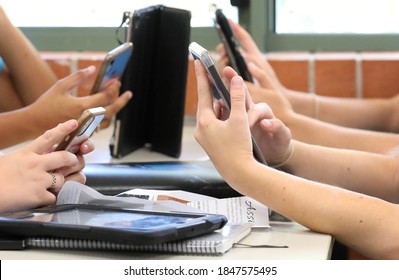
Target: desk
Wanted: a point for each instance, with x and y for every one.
(302, 243)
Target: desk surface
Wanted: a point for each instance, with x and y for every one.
(302, 243)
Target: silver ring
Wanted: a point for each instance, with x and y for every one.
(54, 182)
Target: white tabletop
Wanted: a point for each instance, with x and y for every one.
(302, 243)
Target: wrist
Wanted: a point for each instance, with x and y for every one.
(286, 159)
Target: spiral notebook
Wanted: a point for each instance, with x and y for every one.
(215, 243)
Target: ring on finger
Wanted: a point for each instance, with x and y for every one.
(54, 180)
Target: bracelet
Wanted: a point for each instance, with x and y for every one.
(287, 159)
(316, 107)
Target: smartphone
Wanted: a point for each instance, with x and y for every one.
(88, 122)
(231, 45)
(113, 66)
(218, 87)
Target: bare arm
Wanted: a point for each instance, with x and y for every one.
(353, 170)
(351, 217)
(373, 114)
(29, 75)
(313, 131)
(362, 222)
(57, 105)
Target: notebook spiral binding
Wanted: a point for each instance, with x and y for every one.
(184, 246)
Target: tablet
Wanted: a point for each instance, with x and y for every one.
(218, 87)
(104, 223)
(231, 45)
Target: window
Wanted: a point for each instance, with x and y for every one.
(328, 25)
(337, 16)
(105, 13)
(90, 24)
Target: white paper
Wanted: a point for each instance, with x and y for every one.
(236, 209)
(76, 193)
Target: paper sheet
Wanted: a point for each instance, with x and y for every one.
(237, 209)
(76, 193)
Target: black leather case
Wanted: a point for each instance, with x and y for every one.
(157, 76)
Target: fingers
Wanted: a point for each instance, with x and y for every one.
(115, 107)
(259, 112)
(243, 37)
(86, 147)
(106, 96)
(261, 76)
(205, 98)
(76, 177)
(73, 80)
(47, 140)
(276, 127)
(238, 100)
(110, 99)
(229, 73)
(76, 167)
(220, 49)
(56, 181)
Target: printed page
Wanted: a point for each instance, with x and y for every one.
(237, 209)
(76, 193)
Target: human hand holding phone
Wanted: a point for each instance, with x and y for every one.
(218, 87)
(231, 45)
(113, 66)
(87, 123)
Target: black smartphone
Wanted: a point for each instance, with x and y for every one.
(218, 87)
(113, 66)
(231, 45)
(88, 122)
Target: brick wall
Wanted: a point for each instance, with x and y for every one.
(361, 75)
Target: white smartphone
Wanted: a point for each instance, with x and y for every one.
(218, 87)
(113, 66)
(88, 122)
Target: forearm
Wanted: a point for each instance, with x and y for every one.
(18, 126)
(352, 170)
(31, 75)
(372, 114)
(344, 214)
(316, 132)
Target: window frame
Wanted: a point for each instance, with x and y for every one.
(262, 29)
(258, 19)
(95, 38)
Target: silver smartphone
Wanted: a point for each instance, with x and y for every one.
(218, 87)
(113, 66)
(88, 122)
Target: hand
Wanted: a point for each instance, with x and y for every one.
(269, 93)
(58, 104)
(74, 173)
(272, 136)
(251, 53)
(28, 176)
(227, 142)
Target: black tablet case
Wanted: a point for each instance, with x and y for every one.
(199, 177)
(157, 76)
